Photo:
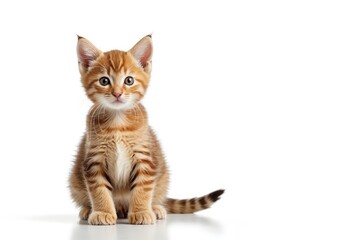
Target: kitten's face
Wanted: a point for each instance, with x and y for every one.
(117, 80)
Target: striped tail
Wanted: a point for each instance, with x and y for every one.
(194, 204)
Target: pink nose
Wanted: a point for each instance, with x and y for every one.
(117, 95)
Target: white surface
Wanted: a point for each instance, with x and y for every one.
(64, 227)
(258, 97)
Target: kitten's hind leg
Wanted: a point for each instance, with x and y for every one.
(84, 212)
(159, 211)
(122, 212)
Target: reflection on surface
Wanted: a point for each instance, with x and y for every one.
(183, 223)
(201, 223)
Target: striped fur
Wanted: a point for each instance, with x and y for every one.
(120, 170)
(194, 204)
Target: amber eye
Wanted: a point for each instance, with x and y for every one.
(129, 80)
(104, 81)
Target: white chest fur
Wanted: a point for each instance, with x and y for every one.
(123, 164)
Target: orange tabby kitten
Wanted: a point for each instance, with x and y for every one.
(120, 170)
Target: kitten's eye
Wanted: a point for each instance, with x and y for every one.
(104, 81)
(129, 80)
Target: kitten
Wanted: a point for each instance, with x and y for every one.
(120, 169)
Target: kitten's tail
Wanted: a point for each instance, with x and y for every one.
(194, 204)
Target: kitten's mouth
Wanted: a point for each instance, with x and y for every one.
(118, 101)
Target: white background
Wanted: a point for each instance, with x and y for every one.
(258, 97)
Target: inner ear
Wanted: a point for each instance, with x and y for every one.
(87, 54)
(142, 51)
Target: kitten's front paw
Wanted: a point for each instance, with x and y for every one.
(159, 211)
(102, 218)
(143, 217)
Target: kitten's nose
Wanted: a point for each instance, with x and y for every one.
(116, 94)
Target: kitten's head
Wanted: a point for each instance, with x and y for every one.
(115, 79)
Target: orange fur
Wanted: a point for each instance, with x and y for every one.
(120, 170)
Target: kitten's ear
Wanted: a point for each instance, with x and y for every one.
(87, 53)
(142, 52)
